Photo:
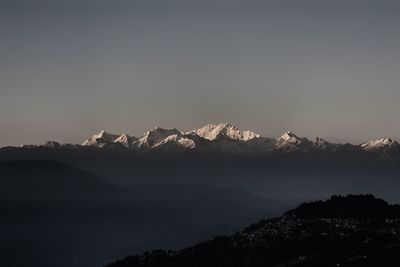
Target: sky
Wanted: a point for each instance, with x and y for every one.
(70, 68)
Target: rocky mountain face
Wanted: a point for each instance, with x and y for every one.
(342, 231)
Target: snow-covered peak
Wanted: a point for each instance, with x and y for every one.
(176, 141)
(100, 139)
(214, 131)
(155, 135)
(104, 135)
(289, 142)
(381, 144)
(289, 136)
(125, 140)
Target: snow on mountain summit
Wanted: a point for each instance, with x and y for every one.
(174, 142)
(100, 139)
(154, 136)
(381, 145)
(214, 131)
(104, 138)
(289, 137)
(289, 142)
(226, 138)
(125, 140)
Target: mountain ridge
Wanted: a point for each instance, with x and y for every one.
(224, 138)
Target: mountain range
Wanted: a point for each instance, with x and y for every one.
(223, 138)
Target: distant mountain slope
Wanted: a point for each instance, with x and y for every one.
(335, 237)
(46, 177)
(56, 215)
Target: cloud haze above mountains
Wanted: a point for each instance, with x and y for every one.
(326, 68)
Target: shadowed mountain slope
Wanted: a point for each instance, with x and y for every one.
(56, 215)
(347, 233)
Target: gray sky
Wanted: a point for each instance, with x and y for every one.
(318, 68)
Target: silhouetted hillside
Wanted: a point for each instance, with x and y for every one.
(56, 215)
(348, 207)
(305, 236)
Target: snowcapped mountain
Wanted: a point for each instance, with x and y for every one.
(221, 137)
(156, 136)
(384, 145)
(104, 138)
(289, 142)
(125, 140)
(215, 131)
(100, 139)
(225, 138)
(175, 142)
(171, 140)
